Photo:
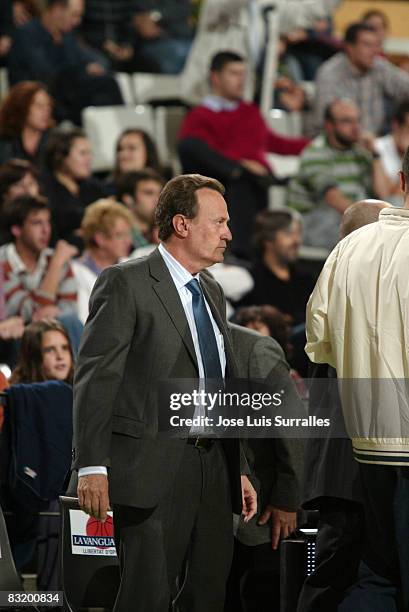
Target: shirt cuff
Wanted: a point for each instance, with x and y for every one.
(92, 469)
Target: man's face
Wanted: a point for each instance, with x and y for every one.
(364, 51)
(286, 244)
(35, 233)
(145, 198)
(229, 82)
(117, 243)
(344, 127)
(401, 134)
(28, 185)
(71, 15)
(208, 232)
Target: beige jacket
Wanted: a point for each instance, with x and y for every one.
(358, 322)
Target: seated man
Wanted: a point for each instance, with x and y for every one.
(139, 191)
(278, 281)
(47, 50)
(228, 138)
(391, 148)
(340, 166)
(106, 230)
(362, 75)
(38, 281)
(165, 32)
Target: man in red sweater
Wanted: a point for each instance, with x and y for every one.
(228, 139)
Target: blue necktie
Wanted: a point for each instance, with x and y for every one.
(205, 332)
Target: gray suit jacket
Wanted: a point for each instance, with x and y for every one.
(137, 335)
(276, 463)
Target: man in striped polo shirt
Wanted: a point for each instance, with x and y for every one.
(38, 281)
(337, 168)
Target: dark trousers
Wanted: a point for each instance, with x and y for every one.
(254, 580)
(181, 549)
(384, 575)
(337, 556)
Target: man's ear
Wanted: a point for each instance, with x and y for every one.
(402, 180)
(99, 238)
(15, 231)
(128, 201)
(181, 225)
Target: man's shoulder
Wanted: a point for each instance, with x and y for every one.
(131, 269)
(33, 27)
(250, 340)
(331, 68)
(317, 148)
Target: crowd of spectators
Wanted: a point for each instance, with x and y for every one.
(61, 224)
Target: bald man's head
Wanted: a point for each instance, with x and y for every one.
(361, 213)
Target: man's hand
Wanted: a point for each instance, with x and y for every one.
(95, 69)
(93, 496)
(5, 45)
(367, 141)
(146, 27)
(254, 167)
(249, 497)
(121, 53)
(11, 328)
(282, 523)
(63, 252)
(46, 312)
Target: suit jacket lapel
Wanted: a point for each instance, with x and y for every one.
(168, 295)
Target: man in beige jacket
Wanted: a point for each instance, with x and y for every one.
(357, 322)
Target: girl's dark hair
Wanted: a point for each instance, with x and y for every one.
(59, 147)
(272, 317)
(152, 158)
(11, 172)
(29, 367)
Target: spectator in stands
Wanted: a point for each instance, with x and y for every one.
(278, 280)
(339, 167)
(288, 93)
(108, 27)
(139, 191)
(17, 178)
(68, 183)
(135, 151)
(106, 228)
(379, 22)
(359, 73)
(227, 138)
(271, 322)
(47, 50)
(392, 148)
(45, 354)
(312, 46)
(165, 32)
(38, 281)
(25, 120)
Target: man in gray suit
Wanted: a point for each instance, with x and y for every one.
(277, 468)
(151, 320)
